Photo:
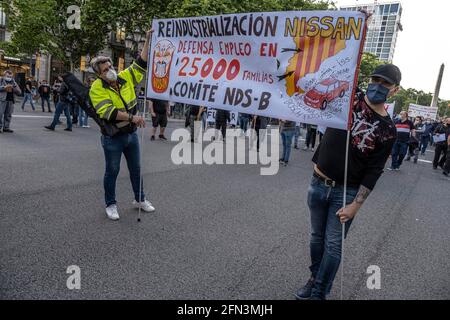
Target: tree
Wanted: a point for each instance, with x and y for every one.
(189, 8)
(42, 27)
(369, 62)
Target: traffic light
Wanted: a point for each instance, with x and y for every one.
(83, 63)
(121, 64)
(38, 61)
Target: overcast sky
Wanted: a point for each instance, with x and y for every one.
(423, 44)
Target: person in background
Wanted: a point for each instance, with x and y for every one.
(440, 136)
(195, 114)
(310, 137)
(63, 105)
(287, 133)
(82, 115)
(159, 109)
(223, 117)
(244, 120)
(8, 87)
(259, 123)
(405, 128)
(55, 90)
(28, 94)
(447, 160)
(321, 131)
(296, 134)
(426, 136)
(44, 92)
(413, 150)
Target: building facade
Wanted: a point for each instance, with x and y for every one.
(383, 29)
(44, 66)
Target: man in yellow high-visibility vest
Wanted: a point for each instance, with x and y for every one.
(114, 99)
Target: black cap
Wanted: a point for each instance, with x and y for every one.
(389, 72)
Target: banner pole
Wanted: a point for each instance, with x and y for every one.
(141, 149)
(345, 201)
(352, 99)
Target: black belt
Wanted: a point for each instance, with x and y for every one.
(327, 182)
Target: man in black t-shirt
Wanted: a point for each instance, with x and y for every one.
(159, 110)
(28, 94)
(371, 138)
(44, 91)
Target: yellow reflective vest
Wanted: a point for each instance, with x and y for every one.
(106, 99)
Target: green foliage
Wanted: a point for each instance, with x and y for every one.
(190, 8)
(42, 27)
(369, 62)
(407, 96)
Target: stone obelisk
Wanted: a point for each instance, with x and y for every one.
(434, 102)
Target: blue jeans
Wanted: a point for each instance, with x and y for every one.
(296, 135)
(424, 140)
(82, 117)
(286, 137)
(43, 100)
(243, 123)
(60, 107)
(399, 151)
(326, 232)
(113, 147)
(28, 97)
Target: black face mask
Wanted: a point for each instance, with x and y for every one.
(377, 93)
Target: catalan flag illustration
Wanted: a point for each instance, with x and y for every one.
(310, 53)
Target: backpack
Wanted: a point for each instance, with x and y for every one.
(81, 93)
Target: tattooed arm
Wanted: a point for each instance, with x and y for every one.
(362, 195)
(352, 209)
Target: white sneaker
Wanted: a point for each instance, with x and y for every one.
(312, 149)
(305, 148)
(146, 205)
(112, 213)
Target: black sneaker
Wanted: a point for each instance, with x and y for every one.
(305, 292)
(152, 138)
(162, 137)
(8, 130)
(67, 129)
(445, 173)
(407, 159)
(49, 128)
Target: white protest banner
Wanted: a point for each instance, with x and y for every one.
(389, 107)
(297, 65)
(211, 116)
(415, 110)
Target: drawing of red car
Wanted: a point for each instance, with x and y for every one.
(326, 91)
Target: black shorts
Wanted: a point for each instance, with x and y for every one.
(160, 120)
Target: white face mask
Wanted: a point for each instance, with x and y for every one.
(111, 75)
(9, 79)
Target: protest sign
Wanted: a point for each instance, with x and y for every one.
(415, 110)
(297, 65)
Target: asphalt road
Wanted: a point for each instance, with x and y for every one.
(219, 232)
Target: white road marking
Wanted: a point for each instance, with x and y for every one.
(426, 161)
(22, 116)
